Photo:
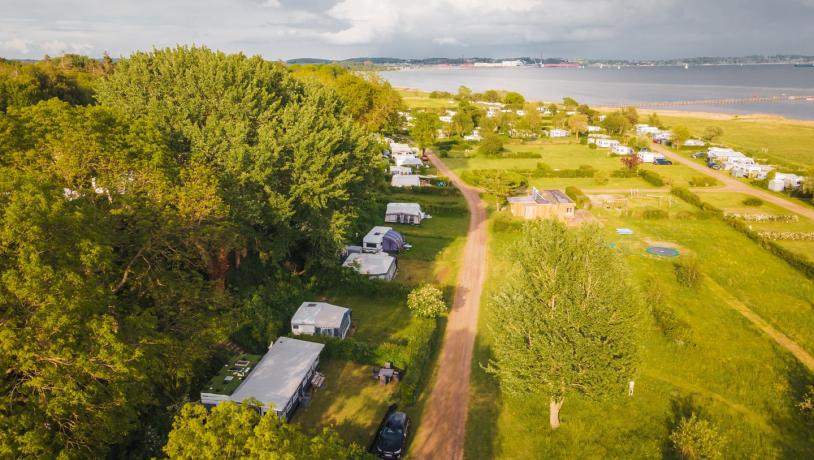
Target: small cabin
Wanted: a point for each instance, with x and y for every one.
(321, 318)
(543, 204)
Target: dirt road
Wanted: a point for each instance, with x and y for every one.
(733, 185)
(443, 425)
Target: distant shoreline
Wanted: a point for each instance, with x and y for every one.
(685, 113)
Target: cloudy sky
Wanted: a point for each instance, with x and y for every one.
(284, 29)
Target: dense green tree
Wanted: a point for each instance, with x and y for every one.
(631, 114)
(514, 100)
(567, 322)
(588, 112)
(570, 103)
(70, 78)
(491, 95)
(425, 129)
(578, 124)
(616, 123)
(467, 117)
(680, 135)
(654, 120)
(464, 93)
(490, 145)
(711, 133)
(232, 431)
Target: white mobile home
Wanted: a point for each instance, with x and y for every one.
(320, 318)
(405, 180)
(401, 170)
(279, 380)
(375, 266)
(400, 149)
(557, 133)
(643, 129)
(407, 159)
(404, 213)
(694, 143)
(621, 150)
(594, 129)
(606, 143)
(382, 238)
(790, 181)
(646, 156)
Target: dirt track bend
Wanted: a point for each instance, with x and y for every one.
(734, 185)
(443, 425)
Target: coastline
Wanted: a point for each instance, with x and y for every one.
(704, 115)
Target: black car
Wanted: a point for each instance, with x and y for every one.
(662, 161)
(393, 436)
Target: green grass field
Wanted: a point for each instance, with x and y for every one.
(415, 99)
(729, 372)
(780, 141)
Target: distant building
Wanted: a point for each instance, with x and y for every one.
(606, 143)
(401, 170)
(694, 143)
(405, 180)
(643, 129)
(543, 204)
(620, 149)
(594, 129)
(512, 63)
(556, 132)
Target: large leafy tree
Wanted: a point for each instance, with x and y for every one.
(425, 129)
(567, 322)
(232, 431)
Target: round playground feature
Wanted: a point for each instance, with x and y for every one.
(662, 251)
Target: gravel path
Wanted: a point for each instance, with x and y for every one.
(443, 425)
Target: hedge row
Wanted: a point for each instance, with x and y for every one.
(449, 190)
(580, 198)
(651, 177)
(417, 355)
(544, 170)
(801, 263)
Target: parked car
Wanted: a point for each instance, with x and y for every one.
(697, 155)
(662, 161)
(392, 437)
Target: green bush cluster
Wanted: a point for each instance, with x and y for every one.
(695, 200)
(688, 273)
(503, 222)
(580, 198)
(439, 191)
(671, 326)
(423, 334)
(544, 170)
(624, 173)
(703, 181)
(522, 155)
(654, 214)
(753, 201)
(592, 146)
(651, 177)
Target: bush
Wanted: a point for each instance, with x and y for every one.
(423, 333)
(670, 325)
(592, 146)
(601, 178)
(695, 200)
(426, 301)
(651, 177)
(624, 173)
(696, 439)
(653, 213)
(491, 145)
(582, 201)
(703, 181)
(522, 155)
(752, 201)
(688, 273)
(544, 170)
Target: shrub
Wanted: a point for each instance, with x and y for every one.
(624, 173)
(695, 200)
(423, 335)
(582, 201)
(752, 201)
(592, 146)
(522, 155)
(696, 439)
(653, 213)
(688, 273)
(703, 181)
(601, 178)
(491, 145)
(651, 177)
(426, 301)
(670, 325)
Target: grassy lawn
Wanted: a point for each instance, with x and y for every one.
(780, 141)
(728, 372)
(350, 401)
(415, 99)
(572, 156)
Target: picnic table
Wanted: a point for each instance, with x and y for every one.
(318, 380)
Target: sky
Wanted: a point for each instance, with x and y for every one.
(339, 29)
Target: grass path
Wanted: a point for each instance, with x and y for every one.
(443, 426)
(781, 339)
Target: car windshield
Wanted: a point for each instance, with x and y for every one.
(391, 432)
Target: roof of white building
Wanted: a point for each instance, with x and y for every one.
(404, 208)
(405, 180)
(319, 314)
(370, 264)
(279, 373)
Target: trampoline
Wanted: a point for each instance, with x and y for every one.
(662, 251)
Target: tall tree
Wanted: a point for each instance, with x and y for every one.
(567, 322)
(680, 135)
(425, 129)
(232, 431)
(616, 123)
(578, 124)
(514, 100)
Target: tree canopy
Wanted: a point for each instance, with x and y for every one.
(425, 129)
(567, 322)
(137, 234)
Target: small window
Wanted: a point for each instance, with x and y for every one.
(296, 326)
